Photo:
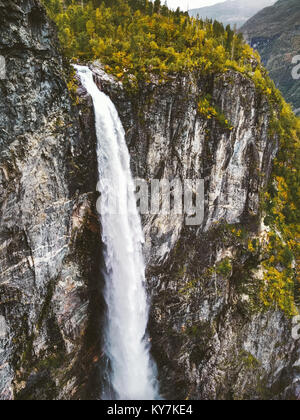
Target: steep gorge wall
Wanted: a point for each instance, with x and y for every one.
(50, 244)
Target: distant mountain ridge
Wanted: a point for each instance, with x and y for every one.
(232, 12)
(275, 33)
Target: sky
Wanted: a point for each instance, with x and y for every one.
(193, 4)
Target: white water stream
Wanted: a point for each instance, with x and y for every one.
(133, 374)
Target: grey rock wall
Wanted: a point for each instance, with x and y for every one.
(50, 247)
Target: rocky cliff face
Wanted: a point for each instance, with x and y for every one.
(211, 337)
(50, 244)
(275, 33)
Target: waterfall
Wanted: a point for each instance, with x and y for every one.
(132, 373)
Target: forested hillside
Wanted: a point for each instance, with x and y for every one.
(137, 38)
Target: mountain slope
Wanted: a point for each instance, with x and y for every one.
(275, 33)
(232, 12)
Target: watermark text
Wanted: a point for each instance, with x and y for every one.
(154, 197)
(296, 69)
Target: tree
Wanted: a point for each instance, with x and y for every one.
(157, 6)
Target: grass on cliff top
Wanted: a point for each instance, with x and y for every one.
(137, 40)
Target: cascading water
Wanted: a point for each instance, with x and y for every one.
(133, 374)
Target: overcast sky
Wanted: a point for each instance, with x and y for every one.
(193, 4)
